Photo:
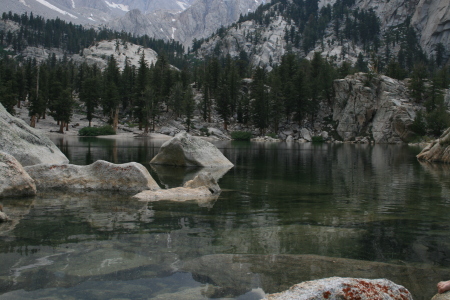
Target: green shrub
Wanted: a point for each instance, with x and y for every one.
(241, 135)
(272, 135)
(95, 131)
(317, 139)
(204, 131)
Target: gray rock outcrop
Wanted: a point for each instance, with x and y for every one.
(344, 288)
(14, 180)
(101, 175)
(202, 187)
(438, 150)
(377, 107)
(27, 145)
(186, 150)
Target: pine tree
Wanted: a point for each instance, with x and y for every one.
(260, 104)
(111, 97)
(90, 95)
(188, 106)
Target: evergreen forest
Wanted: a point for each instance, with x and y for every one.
(185, 86)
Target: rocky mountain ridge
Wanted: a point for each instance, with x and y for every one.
(200, 20)
(90, 11)
(266, 43)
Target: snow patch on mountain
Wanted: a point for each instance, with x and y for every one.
(183, 6)
(52, 7)
(24, 3)
(118, 6)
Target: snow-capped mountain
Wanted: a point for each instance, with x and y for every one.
(199, 20)
(90, 11)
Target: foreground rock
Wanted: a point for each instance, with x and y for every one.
(444, 296)
(14, 180)
(377, 107)
(3, 217)
(344, 288)
(27, 145)
(186, 150)
(202, 187)
(438, 150)
(101, 175)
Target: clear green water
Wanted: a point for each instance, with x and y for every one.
(287, 213)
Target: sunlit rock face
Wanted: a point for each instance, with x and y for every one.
(438, 150)
(344, 288)
(188, 151)
(377, 107)
(101, 175)
(29, 146)
(14, 180)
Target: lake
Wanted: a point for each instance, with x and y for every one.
(287, 213)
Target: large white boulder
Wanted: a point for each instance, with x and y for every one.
(28, 145)
(14, 180)
(101, 175)
(335, 288)
(186, 150)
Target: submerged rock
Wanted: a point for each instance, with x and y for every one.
(344, 288)
(101, 175)
(14, 180)
(438, 150)
(26, 144)
(203, 186)
(189, 151)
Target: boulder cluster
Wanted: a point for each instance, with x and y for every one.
(30, 162)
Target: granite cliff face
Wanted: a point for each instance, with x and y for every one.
(378, 107)
(430, 20)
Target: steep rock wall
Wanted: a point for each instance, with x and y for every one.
(377, 106)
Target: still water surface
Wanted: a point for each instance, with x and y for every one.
(287, 213)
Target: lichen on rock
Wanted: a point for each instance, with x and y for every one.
(344, 288)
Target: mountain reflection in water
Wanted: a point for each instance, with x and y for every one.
(287, 213)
